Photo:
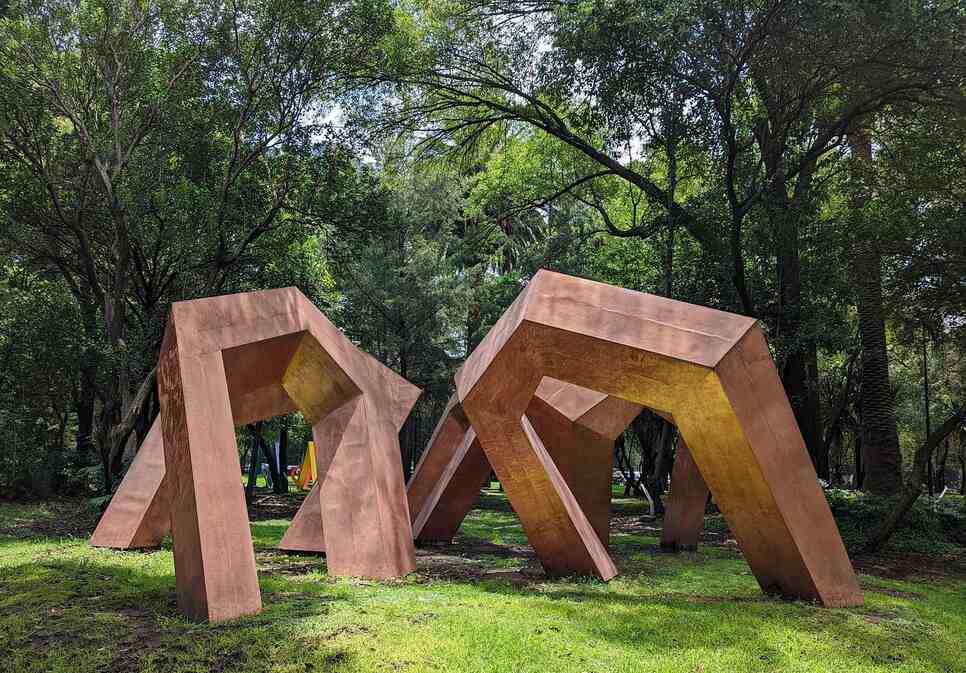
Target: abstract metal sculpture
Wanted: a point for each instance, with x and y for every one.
(139, 514)
(709, 370)
(235, 359)
(684, 515)
(578, 426)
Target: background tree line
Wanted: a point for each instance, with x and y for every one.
(409, 165)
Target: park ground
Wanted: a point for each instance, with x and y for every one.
(481, 604)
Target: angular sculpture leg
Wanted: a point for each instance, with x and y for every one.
(429, 486)
(558, 529)
(454, 492)
(454, 468)
(138, 515)
(362, 494)
(584, 458)
(684, 517)
(305, 532)
(214, 560)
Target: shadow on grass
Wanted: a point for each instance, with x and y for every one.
(744, 623)
(118, 612)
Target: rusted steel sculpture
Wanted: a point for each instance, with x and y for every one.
(236, 359)
(710, 370)
(684, 515)
(138, 515)
(578, 427)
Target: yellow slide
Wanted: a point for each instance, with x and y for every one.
(307, 473)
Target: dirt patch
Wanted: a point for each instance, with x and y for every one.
(266, 506)
(144, 636)
(909, 565)
(54, 518)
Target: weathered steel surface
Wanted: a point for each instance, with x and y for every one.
(710, 370)
(138, 515)
(578, 427)
(241, 358)
(684, 515)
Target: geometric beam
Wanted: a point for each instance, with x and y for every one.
(138, 516)
(236, 359)
(684, 515)
(712, 371)
(578, 427)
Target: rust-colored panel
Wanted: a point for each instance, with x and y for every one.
(684, 516)
(305, 533)
(456, 489)
(577, 426)
(754, 391)
(213, 556)
(708, 369)
(138, 513)
(238, 359)
(446, 437)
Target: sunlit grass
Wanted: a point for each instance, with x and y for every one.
(65, 606)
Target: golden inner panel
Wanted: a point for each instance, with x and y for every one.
(315, 382)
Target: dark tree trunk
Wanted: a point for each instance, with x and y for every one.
(273, 467)
(880, 438)
(85, 416)
(913, 488)
(281, 486)
(663, 463)
(252, 466)
(930, 487)
(941, 470)
(799, 371)
(655, 435)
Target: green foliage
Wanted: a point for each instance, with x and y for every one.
(929, 528)
(40, 348)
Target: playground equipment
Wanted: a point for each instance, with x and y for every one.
(708, 371)
(307, 473)
(236, 359)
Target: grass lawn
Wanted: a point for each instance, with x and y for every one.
(479, 605)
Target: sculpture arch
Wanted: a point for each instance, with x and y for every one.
(711, 371)
(236, 359)
(578, 427)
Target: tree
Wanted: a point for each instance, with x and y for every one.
(772, 90)
(151, 146)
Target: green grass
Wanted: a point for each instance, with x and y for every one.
(481, 605)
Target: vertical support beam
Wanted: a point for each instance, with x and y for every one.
(362, 494)
(214, 560)
(684, 516)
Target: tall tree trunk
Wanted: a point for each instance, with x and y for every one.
(941, 470)
(270, 457)
(85, 415)
(799, 370)
(881, 457)
(252, 471)
(926, 403)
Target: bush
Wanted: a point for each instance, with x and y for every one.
(931, 526)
